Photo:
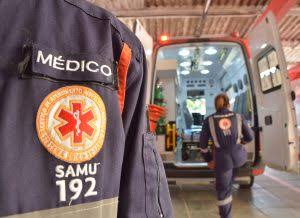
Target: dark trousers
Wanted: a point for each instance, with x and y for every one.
(224, 182)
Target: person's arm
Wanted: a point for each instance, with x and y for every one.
(140, 196)
(205, 136)
(246, 131)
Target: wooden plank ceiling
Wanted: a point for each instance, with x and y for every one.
(182, 18)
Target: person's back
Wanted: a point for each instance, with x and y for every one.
(225, 123)
(72, 115)
(228, 131)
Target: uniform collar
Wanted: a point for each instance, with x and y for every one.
(223, 111)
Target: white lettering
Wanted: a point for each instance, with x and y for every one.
(40, 57)
(73, 65)
(108, 70)
(59, 171)
(91, 191)
(76, 171)
(76, 187)
(58, 63)
(93, 169)
(82, 171)
(70, 172)
(82, 66)
(88, 67)
(62, 190)
(76, 65)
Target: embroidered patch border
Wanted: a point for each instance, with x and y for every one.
(225, 124)
(71, 124)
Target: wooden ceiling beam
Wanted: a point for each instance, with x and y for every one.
(188, 12)
(161, 12)
(294, 11)
(293, 44)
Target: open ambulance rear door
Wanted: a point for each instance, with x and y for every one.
(275, 120)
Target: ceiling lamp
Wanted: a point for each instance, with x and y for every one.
(185, 72)
(207, 63)
(164, 38)
(211, 51)
(185, 64)
(264, 45)
(184, 52)
(205, 72)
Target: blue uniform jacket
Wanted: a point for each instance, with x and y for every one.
(229, 151)
(66, 150)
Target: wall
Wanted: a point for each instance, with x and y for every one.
(211, 89)
(170, 97)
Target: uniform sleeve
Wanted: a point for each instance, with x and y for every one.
(246, 131)
(144, 189)
(205, 136)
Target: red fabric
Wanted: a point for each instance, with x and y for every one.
(294, 73)
(123, 67)
(257, 172)
(155, 113)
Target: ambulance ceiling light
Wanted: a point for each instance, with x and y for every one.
(164, 38)
(185, 64)
(205, 72)
(263, 45)
(211, 51)
(185, 72)
(184, 52)
(207, 63)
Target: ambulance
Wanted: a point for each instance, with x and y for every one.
(187, 74)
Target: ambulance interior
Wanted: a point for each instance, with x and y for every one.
(190, 76)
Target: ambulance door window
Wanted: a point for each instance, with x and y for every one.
(265, 79)
(274, 67)
(269, 71)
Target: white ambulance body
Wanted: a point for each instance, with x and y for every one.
(255, 77)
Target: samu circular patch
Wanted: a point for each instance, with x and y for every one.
(71, 124)
(225, 124)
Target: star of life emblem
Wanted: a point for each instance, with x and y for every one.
(75, 123)
(71, 124)
(225, 125)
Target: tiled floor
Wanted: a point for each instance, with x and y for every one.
(275, 194)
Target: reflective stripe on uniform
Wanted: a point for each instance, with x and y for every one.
(223, 115)
(214, 134)
(225, 201)
(101, 209)
(239, 126)
(213, 131)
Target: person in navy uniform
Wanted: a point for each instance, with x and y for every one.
(228, 131)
